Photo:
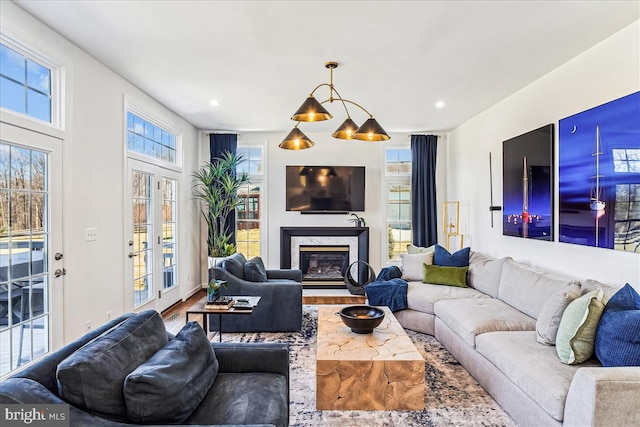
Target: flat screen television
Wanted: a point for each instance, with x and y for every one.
(325, 189)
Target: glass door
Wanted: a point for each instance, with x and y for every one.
(31, 276)
(152, 250)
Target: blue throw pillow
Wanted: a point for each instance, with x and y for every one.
(254, 270)
(618, 334)
(443, 257)
(169, 386)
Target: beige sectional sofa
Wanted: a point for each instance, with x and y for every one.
(490, 328)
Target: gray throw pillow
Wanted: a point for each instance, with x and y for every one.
(551, 313)
(254, 270)
(169, 386)
(92, 378)
(235, 265)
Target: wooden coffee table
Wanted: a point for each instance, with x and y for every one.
(378, 371)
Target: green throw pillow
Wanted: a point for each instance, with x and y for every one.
(441, 275)
(577, 330)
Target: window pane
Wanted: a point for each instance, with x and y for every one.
(38, 105)
(38, 77)
(12, 64)
(12, 96)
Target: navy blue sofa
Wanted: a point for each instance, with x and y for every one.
(248, 382)
(280, 306)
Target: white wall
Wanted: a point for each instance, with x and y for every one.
(332, 152)
(93, 178)
(607, 71)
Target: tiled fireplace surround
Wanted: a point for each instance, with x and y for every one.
(291, 238)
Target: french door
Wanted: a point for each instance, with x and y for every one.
(151, 254)
(31, 260)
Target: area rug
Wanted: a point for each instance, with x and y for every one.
(453, 397)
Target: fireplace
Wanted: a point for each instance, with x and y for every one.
(328, 250)
(323, 263)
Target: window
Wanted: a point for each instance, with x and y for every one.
(248, 224)
(398, 184)
(148, 139)
(25, 85)
(626, 160)
(627, 217)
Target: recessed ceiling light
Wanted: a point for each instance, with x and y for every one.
(214, 102)
(440, 104)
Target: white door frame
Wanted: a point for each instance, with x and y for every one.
(53, 148)
(161, 299)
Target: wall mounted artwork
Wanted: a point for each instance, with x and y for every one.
(527, 185)
(599, 182)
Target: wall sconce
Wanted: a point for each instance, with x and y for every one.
(451, 220)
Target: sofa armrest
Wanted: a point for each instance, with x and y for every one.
(293, 274)
(604, 397)
(253, 357)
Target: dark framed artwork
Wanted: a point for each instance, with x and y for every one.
(599, 182)
(527, 185)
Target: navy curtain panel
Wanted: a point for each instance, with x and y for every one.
(424, 208)
(219, 143)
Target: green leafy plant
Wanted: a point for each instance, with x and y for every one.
(216, 185)
(392, 243)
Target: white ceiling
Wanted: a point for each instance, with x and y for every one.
(260, 59)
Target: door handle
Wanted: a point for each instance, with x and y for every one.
(60, 272)
(131, 255)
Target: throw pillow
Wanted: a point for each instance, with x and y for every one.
(254, 270)
(618, 334)
(412, 265)
(413, 249)
(577, 330)
(441, 275)
(169, 386)
(234, 264)
(551, 313)
(441, 256)
(92, 377)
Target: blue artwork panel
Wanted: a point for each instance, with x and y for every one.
(527, 185)
(599, 181)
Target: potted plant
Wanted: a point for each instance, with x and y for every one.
(216, 185)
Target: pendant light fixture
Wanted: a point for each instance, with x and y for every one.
(312, 111)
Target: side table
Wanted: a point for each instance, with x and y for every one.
(201, 309)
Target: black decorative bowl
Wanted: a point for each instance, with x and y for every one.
(362, 319)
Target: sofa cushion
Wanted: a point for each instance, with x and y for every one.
(412, 265)
(484, 273)
(526, 288)
(254, 270)
(169, 386)
(533, 367)
(592, 285)
(247, 398)
(551, 313)
(441, 256)
(234, 264)
(470, 317)
(442, 275)
(92, 378)
(618, 334)
(422, 296)
(577, 331)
